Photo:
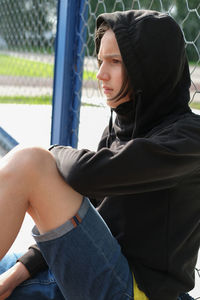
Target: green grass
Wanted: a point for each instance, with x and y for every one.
(89, 75)
(46, 99)
(195, 105)
(20, 67)
(14, 66)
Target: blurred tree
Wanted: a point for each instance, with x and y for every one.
(99, 7)
(28, 24)
(184, 11)
(187, 15)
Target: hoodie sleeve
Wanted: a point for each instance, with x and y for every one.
(33, 260)
(143, 164)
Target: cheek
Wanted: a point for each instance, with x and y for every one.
(118, 78)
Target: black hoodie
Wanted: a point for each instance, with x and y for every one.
(146, 183)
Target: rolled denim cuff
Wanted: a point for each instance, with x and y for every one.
(65, 228)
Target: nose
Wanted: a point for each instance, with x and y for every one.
(102, 73)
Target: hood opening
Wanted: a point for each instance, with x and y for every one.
(153, 50)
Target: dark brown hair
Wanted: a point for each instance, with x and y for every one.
(126, 86)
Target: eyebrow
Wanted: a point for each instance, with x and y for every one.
(110, 55)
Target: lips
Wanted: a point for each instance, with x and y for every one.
(106, 89)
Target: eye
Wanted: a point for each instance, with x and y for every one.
(116, 61)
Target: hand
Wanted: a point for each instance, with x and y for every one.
(11, 279)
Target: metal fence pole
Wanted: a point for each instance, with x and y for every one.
(67, 81)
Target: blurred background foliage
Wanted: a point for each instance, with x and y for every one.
(29, 24)
(185, 12)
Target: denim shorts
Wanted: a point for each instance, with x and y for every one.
(85, 263)
(86, 259)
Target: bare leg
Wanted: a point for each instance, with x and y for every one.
(29, 181)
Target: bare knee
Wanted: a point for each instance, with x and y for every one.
(37, 159)
(27, 162)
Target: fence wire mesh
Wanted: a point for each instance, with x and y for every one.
(27, 34)
(27, 38)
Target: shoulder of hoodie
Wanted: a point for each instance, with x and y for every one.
(187, 123)
(185, 127)
(183, 131)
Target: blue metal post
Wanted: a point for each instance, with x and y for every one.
(69, 58)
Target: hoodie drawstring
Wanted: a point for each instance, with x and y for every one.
(110, 129)
(136, 102)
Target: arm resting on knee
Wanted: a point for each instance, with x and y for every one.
(33, 260)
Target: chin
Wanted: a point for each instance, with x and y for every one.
(111, 104)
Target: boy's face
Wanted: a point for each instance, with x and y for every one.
(111, 69)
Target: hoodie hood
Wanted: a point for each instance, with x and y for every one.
(153, 50)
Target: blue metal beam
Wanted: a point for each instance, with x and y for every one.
(7, 142)
(69, 56)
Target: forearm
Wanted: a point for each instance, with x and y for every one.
(31, 263)
(12, 278)
(18, 273)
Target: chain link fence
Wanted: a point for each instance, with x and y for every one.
(27, 37)
(27, 49)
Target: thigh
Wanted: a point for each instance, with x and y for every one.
(41, 287)
(86, 259)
